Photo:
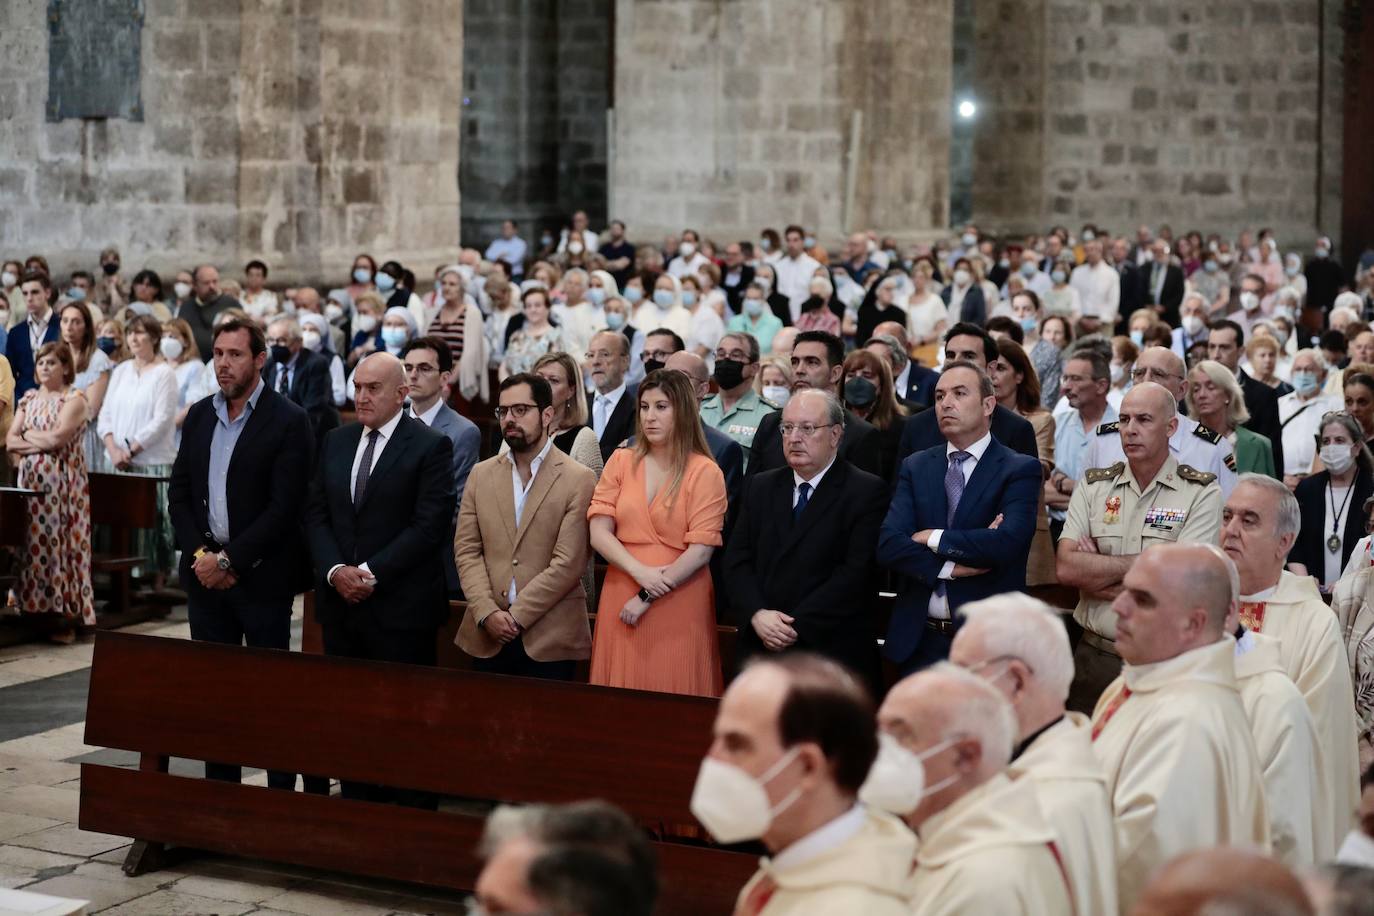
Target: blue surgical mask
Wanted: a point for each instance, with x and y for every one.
(597, 295)
(689, 298)
(1138, 338)
(663, 298)
(394, 336)
(615, 321)
(362, 275)
(1027, 269)
(386, 282)
(1058, 276)
(634, 295)
(1291, 271)
(753, 307)
(1323, 251)
(1209, 266)
(1028, 324)
(1304, 381)
(76, 294)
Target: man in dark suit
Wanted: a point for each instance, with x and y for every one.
(428, 363)
(799, 564)
(913, 383)
(38, 328)
(1163, 283)
(204, 305)
(301, 375)
(1224, 342)
(966, 539)
(972, 308)
(612, 400)
(237, 490)
(817, 362)
(1132, 294)
(969, 343)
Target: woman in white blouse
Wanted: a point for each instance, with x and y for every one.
(138, 427)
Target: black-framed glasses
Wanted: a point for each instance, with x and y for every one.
(516, 410)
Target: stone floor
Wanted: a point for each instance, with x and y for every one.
(42, 707)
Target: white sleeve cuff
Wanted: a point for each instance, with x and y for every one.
(934, 541)
(947, 571)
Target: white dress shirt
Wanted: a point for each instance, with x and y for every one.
(521, 491)
(38, 329)
(794, 279)
(680, 268)
(1099, 291)
(386, 430)
(603, 405)
(142, 408)
(939, 604)
(428, 416)
(798, 480)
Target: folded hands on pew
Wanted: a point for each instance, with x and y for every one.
(774, 629)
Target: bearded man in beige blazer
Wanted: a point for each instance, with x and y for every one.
(521, 546)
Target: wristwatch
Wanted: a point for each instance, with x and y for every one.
(645, 596)
(222, 560)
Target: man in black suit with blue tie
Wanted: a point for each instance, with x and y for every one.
(966, 539)
(237, 490)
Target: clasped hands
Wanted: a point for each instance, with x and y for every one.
(774, 629)
(655, 581)
(961, 571)
(353, 584)
(206, 568)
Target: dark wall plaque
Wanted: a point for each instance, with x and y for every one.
(94, 56)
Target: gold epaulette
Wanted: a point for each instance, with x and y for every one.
(1096, 475)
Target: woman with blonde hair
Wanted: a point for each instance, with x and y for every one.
(774, 380)
(656, 517)
(569, 430)
(1215, 400)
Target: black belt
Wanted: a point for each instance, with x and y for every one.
(946, 627)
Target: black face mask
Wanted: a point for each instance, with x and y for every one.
(729, 373)
(111, 268)
(860, 392)
(652, 365)
(281, 354)
(813, 303)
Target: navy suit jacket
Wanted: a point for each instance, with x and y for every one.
(467, 442)
(922, 431)
(920, 385)
(19, 352)
(1003, 483)
(974, 308)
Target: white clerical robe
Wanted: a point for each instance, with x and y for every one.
(992, 851)
(1180, 763)
(1314, 657)
(866, 872)
(1073, 793)
(1289, 752)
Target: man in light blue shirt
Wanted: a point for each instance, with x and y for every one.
(1085, 381)
(510, 248)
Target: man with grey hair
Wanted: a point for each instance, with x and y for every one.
(300, 374)
(890, 350)
(588, 856)
(1259, 524)
(1018, 644)
(912, 381)
(1118, 511)
(945, 738)
(1171, 731)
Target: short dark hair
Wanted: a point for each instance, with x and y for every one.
(539, 388)
(1256, 278)
(794, 228)
(257, 338)
(678, 343)
(1332, 340)
(968, 329)
(539, 290)
(834, 347)
(63, 354)
(149, 278)
(83, 274)
(598, 860)
(255, 263)
(441, 351)
(1007, 326)
(985, 389)
(1226, 324)
(36, 276)
(827, 705)
(1101, 367)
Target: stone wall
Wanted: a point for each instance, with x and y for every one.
(1199, 115)
(733, 116)
(293, 130)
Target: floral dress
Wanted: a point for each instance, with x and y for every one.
(55, 577)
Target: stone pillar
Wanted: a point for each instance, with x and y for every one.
(291, 130)
(730, 117)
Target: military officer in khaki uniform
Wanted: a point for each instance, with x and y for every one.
(1115, 514)
(737, 409)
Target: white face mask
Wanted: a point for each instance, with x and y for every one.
(1118, 372)
(732, 805)
(1337, 458)
(1192, 325)
(181, 289)
(367, 323)
(778, 394)
(961, 277)
(574, 248)
(171, 348)
(8, 279)
(1249, 301)
(896, 782)
(333, 311)
(686, 250)
(312, 340)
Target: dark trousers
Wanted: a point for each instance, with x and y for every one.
(234, 617)
(933, 647)
(1094, 669)
(513, 660)
(359, 636)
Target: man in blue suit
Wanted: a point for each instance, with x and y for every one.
(961, 522)
(38, 328)
(428, 363)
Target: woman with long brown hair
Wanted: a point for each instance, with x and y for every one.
(870, 395)
(656, 517)
(93, 368)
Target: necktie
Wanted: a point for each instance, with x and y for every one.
(1157, 281)
(365, 470)
(1252, 615)
(1111, 709)
(282, 380)
(954, 491)
(758, 897)
(599, 414)
(803, 495)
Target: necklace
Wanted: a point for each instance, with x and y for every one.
(1333, 543)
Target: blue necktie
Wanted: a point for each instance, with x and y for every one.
(803, 494)
(954, 491)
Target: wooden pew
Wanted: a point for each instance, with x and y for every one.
(122, 502)
(456, 733)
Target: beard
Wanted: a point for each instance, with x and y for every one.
(516, 441)
(235, 390)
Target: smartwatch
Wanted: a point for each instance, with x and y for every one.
(645, 597)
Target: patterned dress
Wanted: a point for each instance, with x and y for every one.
(55, 577)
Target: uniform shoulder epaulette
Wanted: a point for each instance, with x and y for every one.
(1106, 429)
(1094, 475)
(1206, 434)
(1193, 475)
(767, 403)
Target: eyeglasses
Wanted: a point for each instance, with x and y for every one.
(1155, 375)
(806, 429)
(516, 410)
(420, 369)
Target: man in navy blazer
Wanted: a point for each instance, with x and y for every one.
(428, 363)
(972, 551)
(40, 325)
(235, 499)
(972, 343)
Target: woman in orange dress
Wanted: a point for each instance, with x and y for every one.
(656, 516)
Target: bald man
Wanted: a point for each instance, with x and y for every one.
(1190, 442)
(1118, 511)
(985, 844)
(728, 453)
(1246, 880)
(1171, 731)
(1019, 645)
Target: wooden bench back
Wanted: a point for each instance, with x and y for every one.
(124, 500)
